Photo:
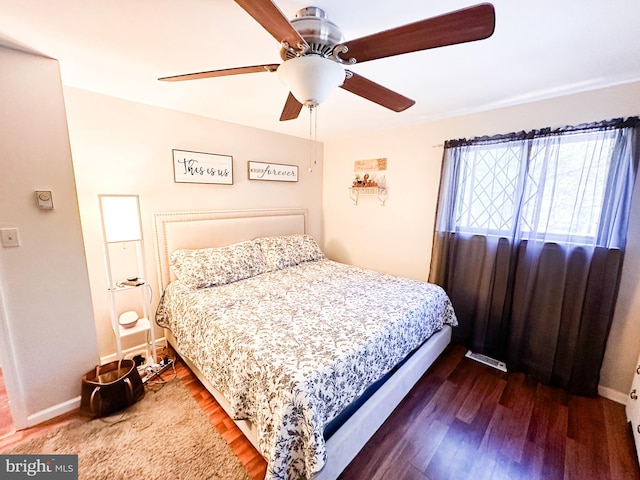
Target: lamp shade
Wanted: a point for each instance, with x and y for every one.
(120, 217)
(311, 78)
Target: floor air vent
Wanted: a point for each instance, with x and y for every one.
(492, 362)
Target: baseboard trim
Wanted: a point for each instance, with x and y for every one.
(74, 403)
(612, 394)
(53, 411)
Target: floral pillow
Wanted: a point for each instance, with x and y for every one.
(288, 250)
(208, 267)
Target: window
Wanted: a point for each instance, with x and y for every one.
(549, 187)
(488, 187)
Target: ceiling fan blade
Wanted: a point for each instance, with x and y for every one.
(267, 14)
(291, 109)
(271, 67)
(466, 25)
(376, 93)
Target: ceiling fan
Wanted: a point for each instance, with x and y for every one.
(315, 54)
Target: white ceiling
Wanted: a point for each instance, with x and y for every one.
(540, 49)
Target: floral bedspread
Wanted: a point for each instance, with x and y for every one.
(291, 348)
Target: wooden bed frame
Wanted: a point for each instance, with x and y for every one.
(219, 228)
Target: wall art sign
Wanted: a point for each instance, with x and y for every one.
(198, 167)
(273, 171)
(376, 164)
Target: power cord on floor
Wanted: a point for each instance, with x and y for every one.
(156, 377)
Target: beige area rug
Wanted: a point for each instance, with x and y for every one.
(164, 436)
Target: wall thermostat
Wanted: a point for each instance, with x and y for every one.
(44, 199)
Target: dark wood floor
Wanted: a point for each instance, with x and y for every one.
(464, 420)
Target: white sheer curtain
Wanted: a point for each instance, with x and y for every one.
(529, 242)
(562, 187)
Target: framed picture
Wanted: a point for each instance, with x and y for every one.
(273, 171)
(197, 167)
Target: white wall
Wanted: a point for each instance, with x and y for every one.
(124, 147)
(397, 238)
(46, 317)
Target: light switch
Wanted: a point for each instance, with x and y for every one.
(44, 199)
(9, 237)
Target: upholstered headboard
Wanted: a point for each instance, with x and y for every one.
(176, 230)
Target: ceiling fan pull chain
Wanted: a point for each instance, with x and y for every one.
(311, 144)
(315, 135)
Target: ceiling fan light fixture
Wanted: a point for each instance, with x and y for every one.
(311, 78)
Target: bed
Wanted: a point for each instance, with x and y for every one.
(307, 355)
